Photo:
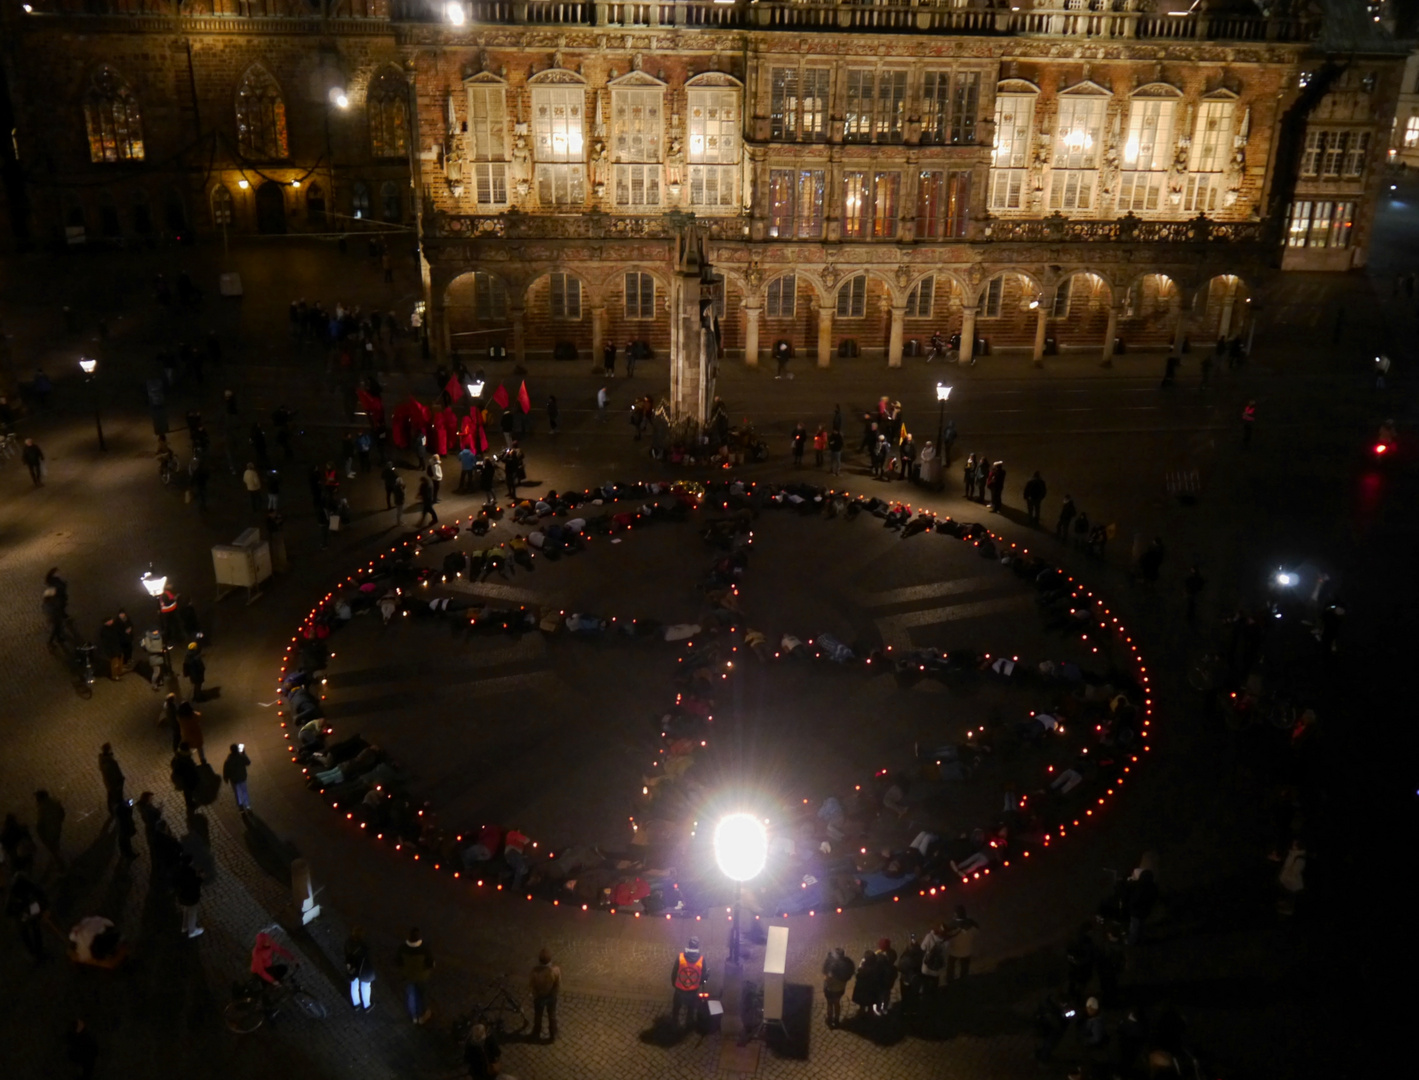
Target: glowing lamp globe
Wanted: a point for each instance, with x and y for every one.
(741, 846)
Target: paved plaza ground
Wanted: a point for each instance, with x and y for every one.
(1255, 986)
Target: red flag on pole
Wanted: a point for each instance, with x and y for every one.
(499, 397)
(523, 398)
(453, 388)
(480, 435)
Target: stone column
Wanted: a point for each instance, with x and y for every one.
(1109, 333)
(440, 334)
(598, 334)
(894, 342)
(751, 336)
(825, 335)
(1041, 314)
(519, 334)
(968, 334)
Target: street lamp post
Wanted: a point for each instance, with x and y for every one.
(943, 452)
(741, 848)
(90, 366)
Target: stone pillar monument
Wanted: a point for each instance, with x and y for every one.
(694, 330)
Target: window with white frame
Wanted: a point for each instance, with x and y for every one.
(876, 105)
(1355, 155)
(1147, 153)
(558, 144)
(714, 147)
(852, 298)
(782, 297)
(1320, 224)
(920, 299)
(1202, 193)
(994, 291)
(1060, 308)
(1411, 132)
(798, 103)
(1211, 137)
(489, 296)
(1014, 123)
(564, 291)
(1077, 139)
(487, 133)
(640, 296)
(637, 126)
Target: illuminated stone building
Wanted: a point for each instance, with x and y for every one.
(864, 174)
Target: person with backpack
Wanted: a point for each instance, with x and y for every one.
(837, 970)
(865, 984)
(933, 958)
(909, 971)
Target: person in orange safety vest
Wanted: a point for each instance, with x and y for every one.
(689, 974)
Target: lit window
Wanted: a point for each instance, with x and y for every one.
(714, 147)
(798, 103)
(114, 122)
(870, 205)
(920, 299)
(637, 185)
(1411, 132)
(1014, 121)
(948, 107)
(1078, 135)
(557, 123)
(261, 117)
(876, 105)
(943, 204)
(796, 203)
(994, 290)
(388, 109)
(1211, 137)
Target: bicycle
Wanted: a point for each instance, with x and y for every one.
(256, 1001)
(167, 468)
(9, 446)
(502, 1015)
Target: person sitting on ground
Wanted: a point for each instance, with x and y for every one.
(94, 940)
(265, 959)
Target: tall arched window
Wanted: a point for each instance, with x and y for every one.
(260, 116)
(389, 201)
(387, 106)
(114, 122)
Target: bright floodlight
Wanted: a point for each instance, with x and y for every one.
(88, 365)
(1286, 578)
(475, 388)
(454, 12)
(943, 392)
(342, 101)
(741, 846)
(154, 585)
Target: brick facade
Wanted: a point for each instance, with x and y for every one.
(1130, 158)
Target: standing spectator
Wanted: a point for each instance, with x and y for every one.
(49, 824)
(389, 474)
(505, 424)
(123, 819)
(234, 772)
(28, 905)
(554, 414)
(960, 945)
(1035, 492)
(82, 1049)
(111, 642)
(195, 668)
(112, 776)
(608, 359)
(1067, 514)
(968, 477)
(251, 480)
(933, 958)
(835, 451)
(800, 437)
(189, 727)
(886, 975)
(397, 496)
(602, 398)
(1248, 422)
(995, 482)
(488, 478)
(426, 502)
(512, 469)
(360, 969)
(865, 993)
(363, 443)
(633, 353)
(33, 457)
(909, 970)
(185, 777)
(1193, 585)
(689, 973)
(273, 490)
(907, 453)
(435, 474)
(982, 472)
(347, 455)
(837, 970)
(187, 886)
(782, 353)
(545, 983)
(416, 964)
(948, 440)
(419, 440)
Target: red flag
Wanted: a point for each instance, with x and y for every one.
(453, 388)
(373, 406)
(499, 397)
(523, 398)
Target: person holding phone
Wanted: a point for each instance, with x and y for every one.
(234, 773)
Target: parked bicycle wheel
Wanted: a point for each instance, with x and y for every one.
(244, 1015)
